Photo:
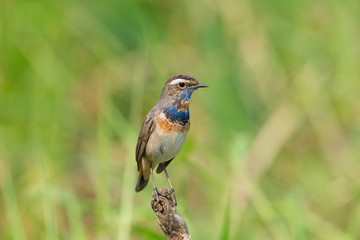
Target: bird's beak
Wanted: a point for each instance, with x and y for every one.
(201, 85)
(198, 86)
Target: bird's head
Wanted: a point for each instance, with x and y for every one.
(180, 87)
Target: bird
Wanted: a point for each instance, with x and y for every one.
(164, 130)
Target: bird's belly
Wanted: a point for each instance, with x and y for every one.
(162, 147)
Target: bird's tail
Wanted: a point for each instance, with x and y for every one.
(143, 179)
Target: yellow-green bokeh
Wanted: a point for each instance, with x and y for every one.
(274, 146)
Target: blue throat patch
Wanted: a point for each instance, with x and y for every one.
(186, 94)
(174, 115)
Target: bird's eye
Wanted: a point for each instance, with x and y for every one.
(181, 84)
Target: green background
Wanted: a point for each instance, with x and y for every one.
(274, 146)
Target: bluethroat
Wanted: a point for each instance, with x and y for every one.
(164, 130)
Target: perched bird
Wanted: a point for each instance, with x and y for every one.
(164, 130)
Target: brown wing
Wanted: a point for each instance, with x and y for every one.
(162, 166)
(146, 130)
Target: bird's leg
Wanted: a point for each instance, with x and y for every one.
(156, 193)
(171, 187)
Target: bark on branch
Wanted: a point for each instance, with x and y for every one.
(169, 220)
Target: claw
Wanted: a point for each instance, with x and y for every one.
(156, 194)
(172, 191)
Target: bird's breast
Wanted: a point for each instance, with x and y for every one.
(166, 125)
(178, 113)
(166, 140)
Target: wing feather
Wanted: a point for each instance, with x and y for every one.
(162, 166)
(145, 132)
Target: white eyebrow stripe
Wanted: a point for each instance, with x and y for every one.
(176, 81)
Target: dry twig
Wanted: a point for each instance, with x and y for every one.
(169, 220)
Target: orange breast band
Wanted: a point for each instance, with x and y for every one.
(166, 126)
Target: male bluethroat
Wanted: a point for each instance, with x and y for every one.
(164, 130)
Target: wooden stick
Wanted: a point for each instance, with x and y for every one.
(169, 220)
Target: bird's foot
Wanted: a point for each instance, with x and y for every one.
(172, 192)
(156, 194)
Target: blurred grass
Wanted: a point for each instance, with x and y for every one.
(273, 151)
